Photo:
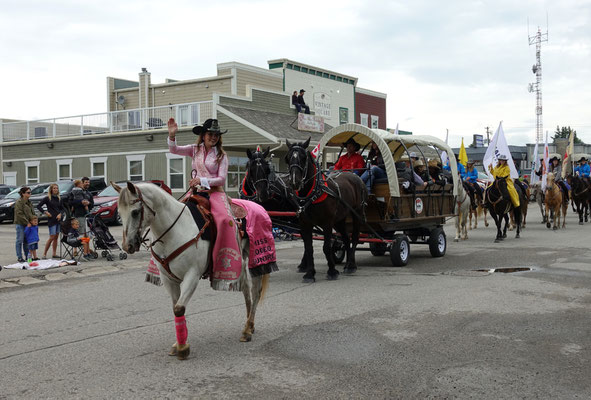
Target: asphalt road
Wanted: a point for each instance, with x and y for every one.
(434, 329)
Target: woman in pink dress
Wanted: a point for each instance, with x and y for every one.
(210, 168)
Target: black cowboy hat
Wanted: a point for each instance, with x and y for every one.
(351, 140)
(554, 158)
(582, 159)
(210, 125)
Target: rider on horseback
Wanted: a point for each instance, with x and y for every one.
(502, 171)
(583, 170)
(556, 169)
(470, 180)
(461, 168)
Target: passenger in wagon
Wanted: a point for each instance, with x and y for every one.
(351, 160)
(405, 172)
(377, 169)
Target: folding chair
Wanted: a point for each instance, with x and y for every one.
(67, 251)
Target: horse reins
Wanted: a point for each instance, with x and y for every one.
(166, 260)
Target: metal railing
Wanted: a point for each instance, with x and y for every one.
(140, 119)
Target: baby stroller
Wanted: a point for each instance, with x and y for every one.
(103, 240)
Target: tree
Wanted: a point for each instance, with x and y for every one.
(564, 132)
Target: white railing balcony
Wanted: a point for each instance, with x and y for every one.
(140, 119)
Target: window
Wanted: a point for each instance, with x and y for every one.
(9, 178)
(40, 132)
(64, 169)
(175, 172)
(98, 167)
(135, 167)
(343, 115)
(134, 120)
(374, 122)
(363, 119)
(32, 171)
(236, 172)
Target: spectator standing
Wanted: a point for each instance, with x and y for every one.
(23, 212)
(53, 211)
(32, 237)
(83, 204)
(351, 160)
(302, 103)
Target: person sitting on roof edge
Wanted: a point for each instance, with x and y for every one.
(302, 104)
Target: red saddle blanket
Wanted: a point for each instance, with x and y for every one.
(262, 255)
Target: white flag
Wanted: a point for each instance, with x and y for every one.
(535, 165)
(444, 158)
(315, 151)
(545, 163)
(497, 146)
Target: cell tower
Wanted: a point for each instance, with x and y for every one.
(536, 87)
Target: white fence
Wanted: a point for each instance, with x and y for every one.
(115, 121)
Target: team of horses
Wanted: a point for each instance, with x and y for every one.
(315, 202)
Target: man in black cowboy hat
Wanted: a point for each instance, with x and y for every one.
(301, 103)
(351, 160)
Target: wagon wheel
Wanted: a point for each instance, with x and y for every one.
(399, 251)
(378, 249)
(437, 242)
(338, 250)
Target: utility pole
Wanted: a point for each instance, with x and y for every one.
(487, 137)
(536, 87)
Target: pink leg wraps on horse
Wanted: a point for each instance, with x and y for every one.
(181, 330)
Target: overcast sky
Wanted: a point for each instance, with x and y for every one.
(457, 65)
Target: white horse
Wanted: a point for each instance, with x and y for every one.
(462, 210)
(144, 206)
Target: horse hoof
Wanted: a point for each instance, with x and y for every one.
(309, 280)
(504, 235)
(517, 236)
(330, 277)
(183, 352)
(498, 240)
(173, 350)
(555, 228)
(245, 337)
(456, 239)
(548, 225)
(581, 223)
(350, 270)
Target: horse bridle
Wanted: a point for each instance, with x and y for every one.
(143, 204)
(303, 170)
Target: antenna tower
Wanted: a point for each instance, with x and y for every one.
(536, 87)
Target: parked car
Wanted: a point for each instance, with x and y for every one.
(5, 189)
(105, 203)
(7, 203)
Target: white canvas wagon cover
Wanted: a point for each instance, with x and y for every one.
(391, 146)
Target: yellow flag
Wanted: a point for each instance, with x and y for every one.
(463, 155)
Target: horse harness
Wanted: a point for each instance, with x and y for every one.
(271, 178)
(501, 197)
(202, 206)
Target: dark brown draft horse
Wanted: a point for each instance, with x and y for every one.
(325, 202)
(270, 189)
